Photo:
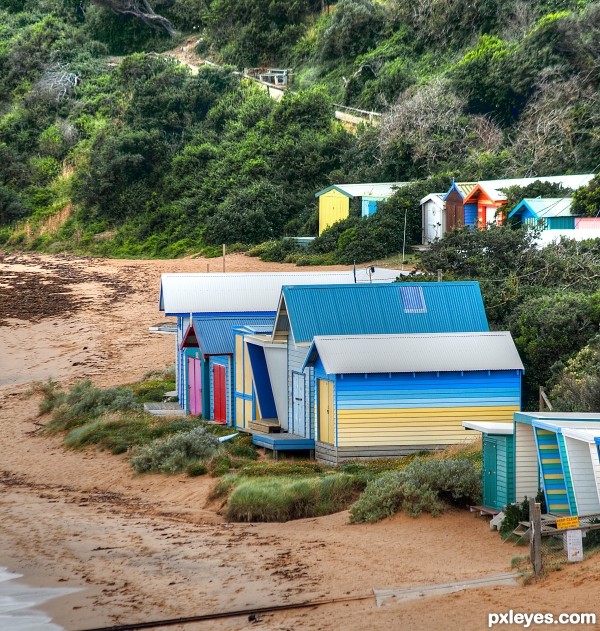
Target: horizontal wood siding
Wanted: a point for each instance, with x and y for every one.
(526, 463)
(582, 475)
(424, 408)
(595, 454)
(567, 471)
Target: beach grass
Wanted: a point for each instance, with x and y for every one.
(279, 498)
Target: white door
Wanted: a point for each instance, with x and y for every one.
(298, 407)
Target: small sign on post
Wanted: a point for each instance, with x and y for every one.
(573, 542)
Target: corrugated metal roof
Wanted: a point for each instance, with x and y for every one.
(492, 187)
(247, 292)
(464, 188)
(546, 207)
(383, 309)
(371, 189)
(566, 181)
(438, 198)
(215, 335)
(427, 352)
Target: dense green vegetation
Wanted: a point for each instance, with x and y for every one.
(548, 298)
(138, 156)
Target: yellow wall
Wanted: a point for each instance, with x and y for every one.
(414, 426)
(333, 206)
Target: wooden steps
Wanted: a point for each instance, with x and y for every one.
(265, 425)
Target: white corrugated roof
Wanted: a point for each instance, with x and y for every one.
(588, 432)
(438, 198)
(371, 189)
(426, 352)
(492, 187)
(248, 292)
(489, 427)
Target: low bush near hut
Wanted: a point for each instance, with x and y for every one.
(84, 402)
(118, 432)
(282, 499)
(424, 486)
(176, 452)
(282, 468)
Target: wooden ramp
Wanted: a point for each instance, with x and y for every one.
(283, 442)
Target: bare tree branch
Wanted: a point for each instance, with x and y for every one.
(140, 9)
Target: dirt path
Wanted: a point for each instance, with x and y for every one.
(143, 547)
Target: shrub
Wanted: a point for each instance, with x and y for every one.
(196, 469)
(83, 402)
(517, 512)
(243, 451)
(174, 453)
(282, 499)
(425, 485)
(118, 433)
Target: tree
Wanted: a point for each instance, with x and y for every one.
(586, 200)
(139, 9)
(11, 206)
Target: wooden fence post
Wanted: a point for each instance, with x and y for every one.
(535, 524)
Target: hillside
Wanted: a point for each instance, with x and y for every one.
(108, 146)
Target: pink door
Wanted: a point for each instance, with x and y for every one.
(194, 386)
(220, 397)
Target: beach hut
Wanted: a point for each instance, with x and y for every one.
(488, 201)
(392, 395)
(558, 452)
(550, 213)
(241, 296)
(308, 311)
(498, 460)
(334, 201)
(434, 218)
(209, 345)
(456, 213)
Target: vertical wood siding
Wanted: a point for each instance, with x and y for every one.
(226, 362)
(582, 474)
(505, 470)
(405, 409)
(526, 462)
(333, 206)
(296, 357)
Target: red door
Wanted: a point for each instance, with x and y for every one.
(220, 398)
(194, 386)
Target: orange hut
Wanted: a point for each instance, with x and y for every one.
(488, 201)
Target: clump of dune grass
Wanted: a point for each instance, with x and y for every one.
(279, 499)
(82, 403)
(176, 452)
(282, 468)
(118, 432)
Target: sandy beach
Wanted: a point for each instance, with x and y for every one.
(151, 547)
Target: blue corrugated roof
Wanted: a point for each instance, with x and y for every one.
(378, 309)
(215, 335)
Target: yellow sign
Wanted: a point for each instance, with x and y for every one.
(567, 522)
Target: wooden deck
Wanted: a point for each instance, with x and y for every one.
(283, 442)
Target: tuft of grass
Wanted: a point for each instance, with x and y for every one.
(471, 451)
(118, 432)
(223, 487)
(176, 452)
(279, 499)
(282, 468)
(196, 469)
(82, 403)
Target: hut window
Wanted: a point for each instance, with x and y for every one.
(413, 300)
